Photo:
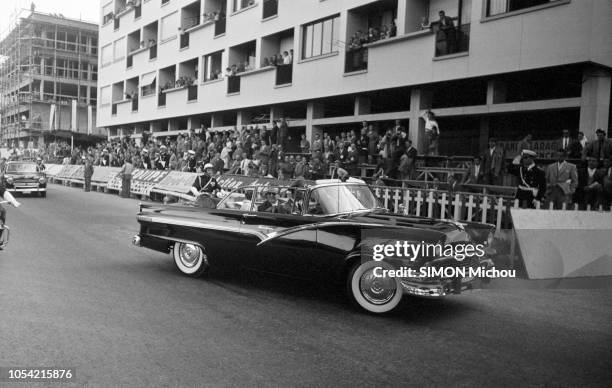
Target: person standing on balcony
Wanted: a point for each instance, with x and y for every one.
(432, 131)
(448, 34)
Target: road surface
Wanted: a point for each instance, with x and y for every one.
(74, 292)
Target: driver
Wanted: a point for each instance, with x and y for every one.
(40, 167)
(205, 182)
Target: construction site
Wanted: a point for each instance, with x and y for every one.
(48, 78)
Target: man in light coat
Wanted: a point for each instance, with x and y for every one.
(561, 180)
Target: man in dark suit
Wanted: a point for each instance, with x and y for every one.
(407, 167)
(532, 180)
(493, 160)
(600, 148)
(590, 190)
(571, 146)
(475, 173)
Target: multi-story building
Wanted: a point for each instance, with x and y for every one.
(48, 75)
(510, 67)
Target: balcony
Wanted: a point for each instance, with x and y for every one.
(233, 84)
(192, 92)
(220, 26)
(356, 60)
(153, 51)
(135, 104)
(161, 99)
(284, 74)
(114, 109)
(270, 8)
(138, 10)
(184, 40)
(116, 23)
(454, 41)
(129, 61)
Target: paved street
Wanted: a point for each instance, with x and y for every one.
(74, 292)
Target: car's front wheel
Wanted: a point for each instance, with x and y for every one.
(375, 294)
(190, 259)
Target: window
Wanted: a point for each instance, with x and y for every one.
(169, 26)
(320, 37)
(241, 4)
(105, 95)
(148, 83)
(107, 54)
(119, 49)
(212, 66)
(107, 13)
(496, 7)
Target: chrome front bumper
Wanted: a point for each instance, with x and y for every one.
(437, 289)
(27, 189)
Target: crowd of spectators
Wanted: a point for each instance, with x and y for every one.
(373, 34)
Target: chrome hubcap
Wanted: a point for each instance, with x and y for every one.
(190, 255)
(377, 290)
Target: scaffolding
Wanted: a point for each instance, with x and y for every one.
(46, 62)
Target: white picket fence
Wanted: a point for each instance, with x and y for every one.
(458, 206)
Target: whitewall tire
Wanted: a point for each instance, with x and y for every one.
(376, 295)
(190, 259)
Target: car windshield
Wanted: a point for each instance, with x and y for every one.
(21, 167)
(341, 199)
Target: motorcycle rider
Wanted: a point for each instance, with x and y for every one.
(10, 199)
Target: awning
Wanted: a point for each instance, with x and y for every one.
(148, 79)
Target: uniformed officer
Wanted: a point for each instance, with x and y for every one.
(532, 180)
(205, 182)
(163, 161)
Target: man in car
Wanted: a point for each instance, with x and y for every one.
(205, 182)
(270, 204)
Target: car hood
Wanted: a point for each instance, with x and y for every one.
(477, 231)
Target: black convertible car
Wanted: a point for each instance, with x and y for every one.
(319, 230)
(25, 177)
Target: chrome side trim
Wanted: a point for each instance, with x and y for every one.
(200, 224)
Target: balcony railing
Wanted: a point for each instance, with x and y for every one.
(270, 8)
(129, 61)
(114, 109)
(220, 26)
(192, 92)
(454, 41)
(161, 99)
(153, 52)
(284, 74)
(233, 84)
(184, 39)
(135, 104)
(356, 60)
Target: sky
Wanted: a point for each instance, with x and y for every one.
(74, 9)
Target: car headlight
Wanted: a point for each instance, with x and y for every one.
(42, 180)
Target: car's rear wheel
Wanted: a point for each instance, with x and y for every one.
(190, 259)
(372, 293)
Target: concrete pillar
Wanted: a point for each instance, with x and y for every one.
(496, 92)
(595, 102)
(362, 105)
(400, 22)
(242, 118)
(314, 110)
(483, 140)
(276, 113)
(419, 100)
(216, 120)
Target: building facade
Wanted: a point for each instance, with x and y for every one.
(48, 79)
(507, 68)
